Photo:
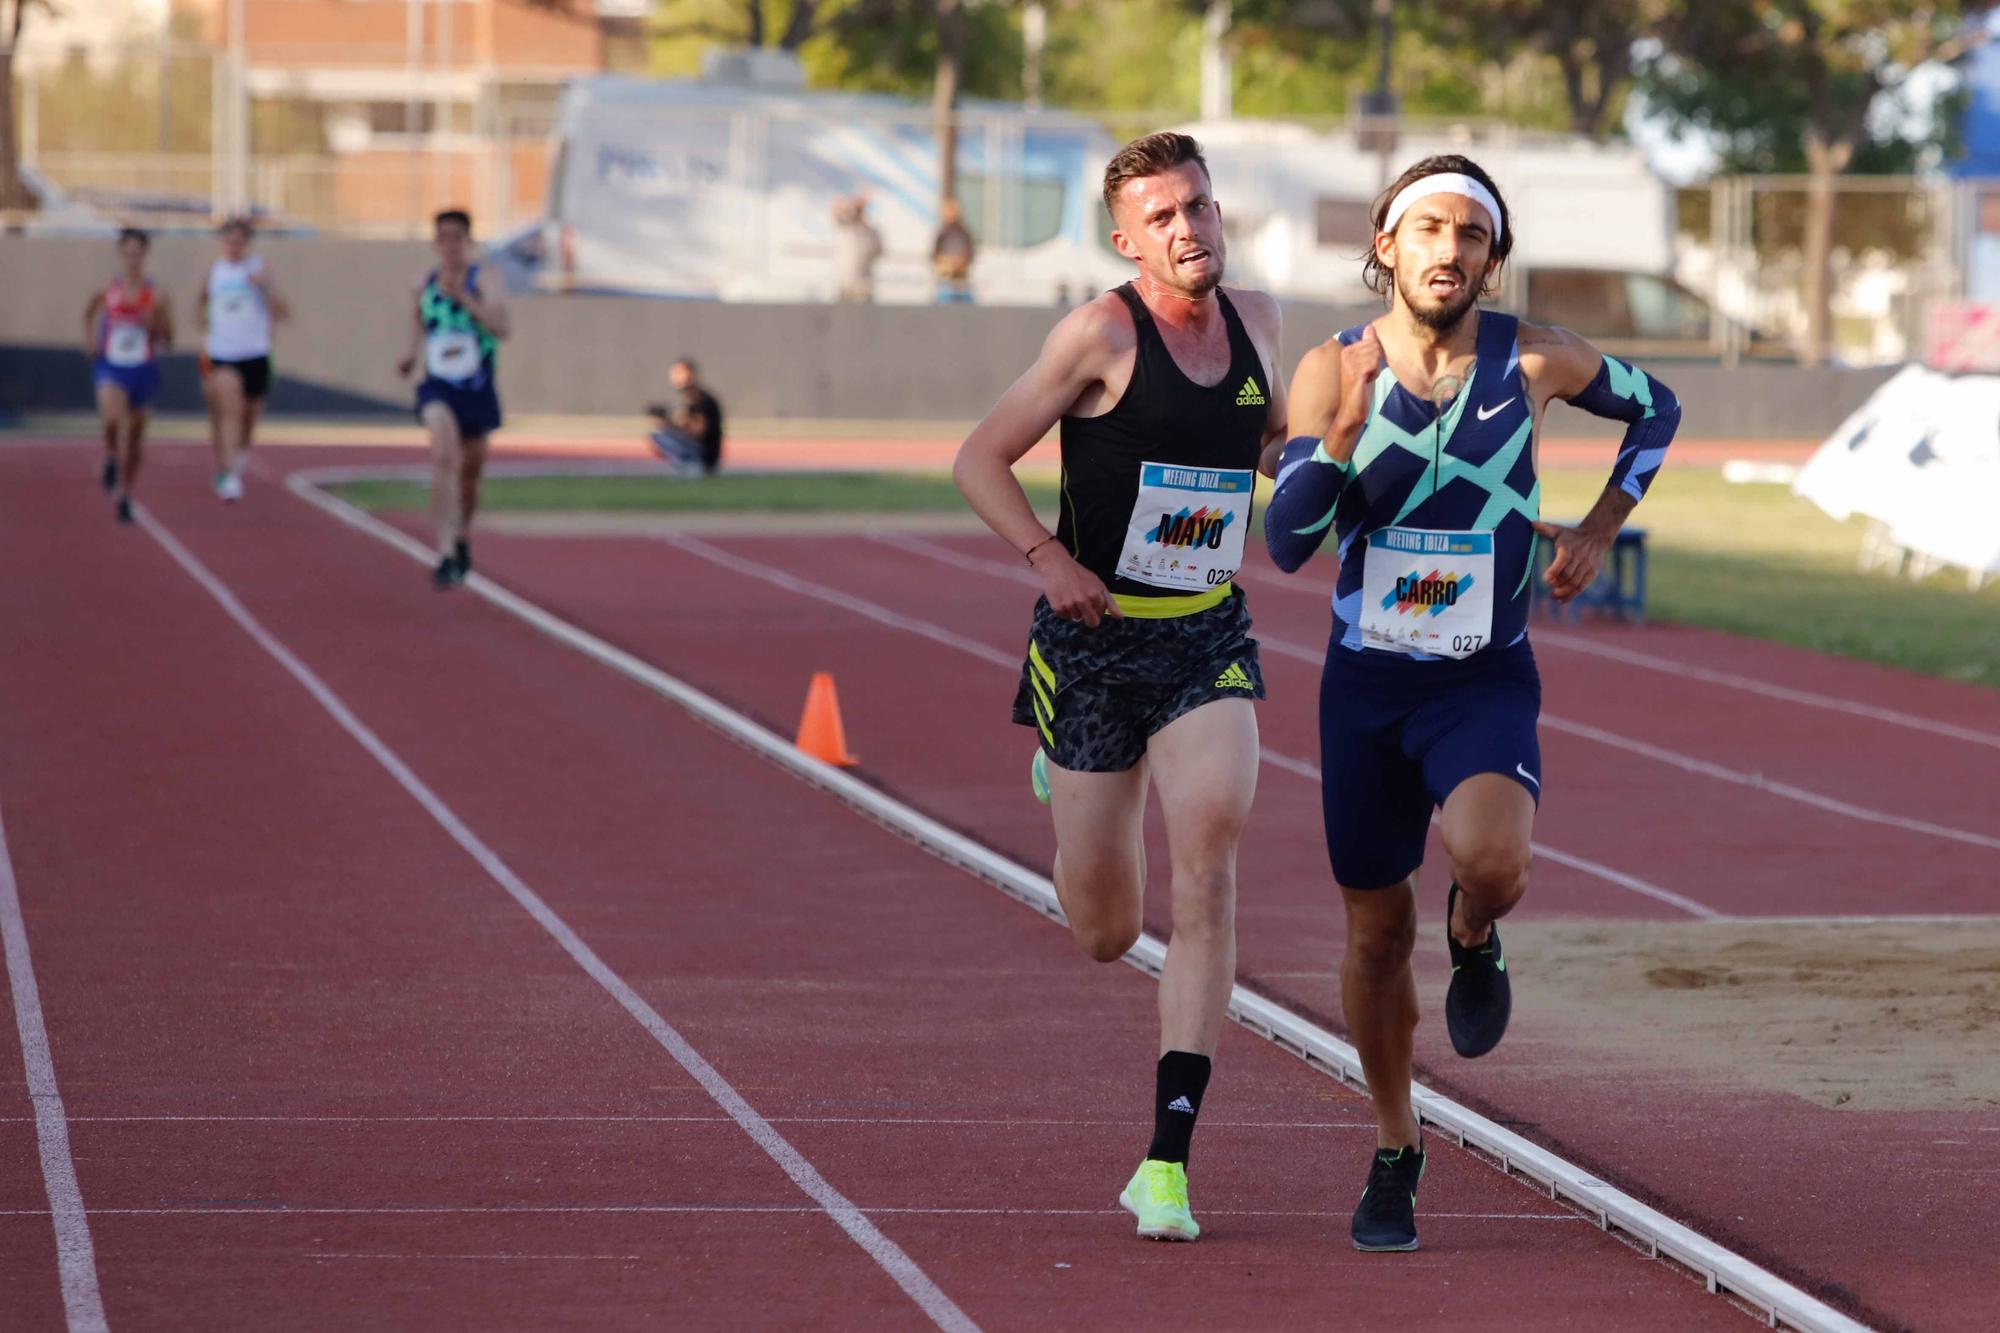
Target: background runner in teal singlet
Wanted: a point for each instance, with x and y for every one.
(1425, 477)
(1140, 668)
(461, 316)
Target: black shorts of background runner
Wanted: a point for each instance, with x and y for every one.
(1096, 696)
(255, 372)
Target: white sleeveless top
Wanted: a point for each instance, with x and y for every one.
(239, 318)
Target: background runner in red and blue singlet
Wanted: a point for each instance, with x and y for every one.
(126, 324)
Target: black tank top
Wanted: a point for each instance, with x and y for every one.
(1163, 417)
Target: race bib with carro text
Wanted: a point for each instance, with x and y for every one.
(1187, 525)
(1428, 591)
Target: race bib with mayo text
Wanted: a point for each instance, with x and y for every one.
(1187, 525)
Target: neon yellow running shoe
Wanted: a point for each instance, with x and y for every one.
(1038, 775)
(1157, 1196)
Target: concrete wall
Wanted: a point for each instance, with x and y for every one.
(608, 355)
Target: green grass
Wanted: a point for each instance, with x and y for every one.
(801, 492)
(1758, 561)
(1750, 559)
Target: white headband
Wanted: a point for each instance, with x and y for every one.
(1443, 183)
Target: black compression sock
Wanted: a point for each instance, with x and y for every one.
(1181, 1079)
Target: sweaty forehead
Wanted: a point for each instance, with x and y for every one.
(1172, 186)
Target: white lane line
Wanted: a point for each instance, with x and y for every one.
(507, 1258)
(1809, 698)
(1785, 790)
(1684, 762)
(1727, 679)
(885, 1252)
(681, 1209)
(1516, 1156)
(76, 1257)
(877, 1121)
(1700, 910)
(1284, 762)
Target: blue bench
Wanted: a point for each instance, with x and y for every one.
(1619, 590)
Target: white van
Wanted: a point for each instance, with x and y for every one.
(724, 187)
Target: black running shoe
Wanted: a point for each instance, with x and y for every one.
(110, 474)
(1480, 998)
(461, 555)
(446, 574)
(1386, 1217)
(124, 509)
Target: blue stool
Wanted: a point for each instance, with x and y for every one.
(1619, 590)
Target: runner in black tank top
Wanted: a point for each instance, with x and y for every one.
(1140, 664)
(1165, 418)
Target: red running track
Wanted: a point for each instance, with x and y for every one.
(1798, 1187)
(320, 1070)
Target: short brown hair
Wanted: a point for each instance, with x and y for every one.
(1149, 156)
(1380, 279)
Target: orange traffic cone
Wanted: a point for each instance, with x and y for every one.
(820, 732)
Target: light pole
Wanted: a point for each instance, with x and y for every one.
(1378, 105)
(236, 191)
(1216, 75)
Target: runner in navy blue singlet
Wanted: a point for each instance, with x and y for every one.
(460, 317)
(1414, 453)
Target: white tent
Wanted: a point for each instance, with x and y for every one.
(1922, 458)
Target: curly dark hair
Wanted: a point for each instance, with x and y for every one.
(1381, 279)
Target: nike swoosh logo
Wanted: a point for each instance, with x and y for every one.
(1529, 776)
(1488, 413)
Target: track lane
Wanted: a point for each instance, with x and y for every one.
(653, 594)
(849, 978)
(231, 907)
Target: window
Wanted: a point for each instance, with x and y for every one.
(1040, 218)
(394, 117)
(1663, 309)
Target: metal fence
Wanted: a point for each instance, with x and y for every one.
(168, 132)
(1899, 248)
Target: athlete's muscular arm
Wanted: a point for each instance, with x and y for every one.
(489, 307)
(163, 323)
(91, 308)
(1073, 361)
(1559, 364)
(407, 362)
(1332, 394)
(1265, 323)
(281, 309)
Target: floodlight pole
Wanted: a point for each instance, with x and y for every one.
(237, 121)
(1216, 74)
(1385, 18)
(1034, 37)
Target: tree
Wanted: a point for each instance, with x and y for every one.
(1793, 81)
(785, 25)
(13, 18)
(1590, 41)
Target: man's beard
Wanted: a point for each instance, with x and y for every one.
(1444, 317)
(1200, 285)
